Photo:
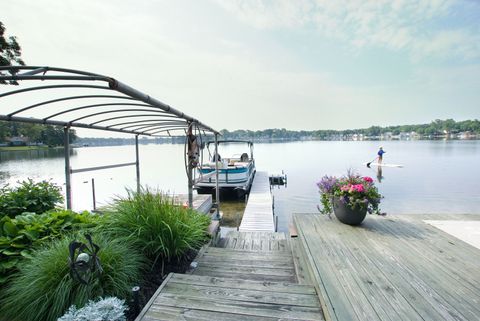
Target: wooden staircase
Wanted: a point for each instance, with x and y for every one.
(251, 277)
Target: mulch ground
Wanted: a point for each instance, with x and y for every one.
(153, 279)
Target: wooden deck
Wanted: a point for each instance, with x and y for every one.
(390, 268)
(252, 279)
(201, 202)
(258, 215)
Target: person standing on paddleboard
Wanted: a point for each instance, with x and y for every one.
(380, 154)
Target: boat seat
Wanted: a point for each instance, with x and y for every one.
(244, 157)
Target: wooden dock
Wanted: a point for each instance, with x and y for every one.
(258, 215)
(201, 202)
(253, 278)
(390, 268)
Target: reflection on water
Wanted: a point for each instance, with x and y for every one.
(437, 177)
(33, 154)
(379, 174)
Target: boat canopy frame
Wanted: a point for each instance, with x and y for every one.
(106, 99)
(217, 142)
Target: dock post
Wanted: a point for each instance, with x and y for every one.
(93, 195)
(68, 173)
(137, 163)
(217, 191)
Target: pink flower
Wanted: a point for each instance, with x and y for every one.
(368, 179)
(359, 188)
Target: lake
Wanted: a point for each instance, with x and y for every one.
(437, 177)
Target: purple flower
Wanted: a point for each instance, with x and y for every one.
(327, 183)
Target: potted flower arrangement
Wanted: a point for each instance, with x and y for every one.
(350, 197)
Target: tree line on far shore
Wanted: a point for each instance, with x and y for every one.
(53, 135)
(436, 128)
(16, 133)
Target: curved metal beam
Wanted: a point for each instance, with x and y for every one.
(13, 92)
(157, 126)
(44, 69)
(154, 112)
(64, 124)
(160, 117)
(141, 122)
(106, 104)
(64, 99)
(165, 130)
(165, 127)
(143, 126)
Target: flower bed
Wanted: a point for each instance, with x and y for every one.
(141, 239)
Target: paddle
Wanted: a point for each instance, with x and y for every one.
(368, 164)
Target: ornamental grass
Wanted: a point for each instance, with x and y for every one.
(157, 227)
(43, 289)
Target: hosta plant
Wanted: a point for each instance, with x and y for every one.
(19, 236)
(29, 196)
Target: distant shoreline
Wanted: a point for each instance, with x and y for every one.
(99, 142)
(22, 148)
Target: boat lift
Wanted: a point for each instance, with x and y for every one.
(79, 99)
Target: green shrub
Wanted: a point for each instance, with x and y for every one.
(156, 226)
(29, 197)
(20, 235)
(43, 289)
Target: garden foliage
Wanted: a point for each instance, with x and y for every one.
(29, 196)
(107, 309)
(155, 225)
(20, 235)
(43, 289)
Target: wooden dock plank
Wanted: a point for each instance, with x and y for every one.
(253, 253)
(167, 313)
(246, 276)
(220, 261)
(241, 307)
(214, 293)
(391, 269)
(243, 284)
(300, 263)
(258, 214)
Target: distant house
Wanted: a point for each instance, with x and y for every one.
(387, 135)
(17, 141)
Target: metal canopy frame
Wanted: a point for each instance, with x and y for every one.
(123, 109)
(126, 99)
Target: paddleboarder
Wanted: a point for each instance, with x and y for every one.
(380, 155)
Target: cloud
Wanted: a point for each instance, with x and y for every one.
(422, 28)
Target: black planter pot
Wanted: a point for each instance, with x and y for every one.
(347, 215)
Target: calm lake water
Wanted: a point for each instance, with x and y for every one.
(437, 177)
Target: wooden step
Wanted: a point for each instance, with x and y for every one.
(258, 241)
(247, 265)
(257, 253)
(193, 297)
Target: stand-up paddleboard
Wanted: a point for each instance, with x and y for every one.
(384, 164)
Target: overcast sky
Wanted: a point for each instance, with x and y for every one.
(253, 64)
